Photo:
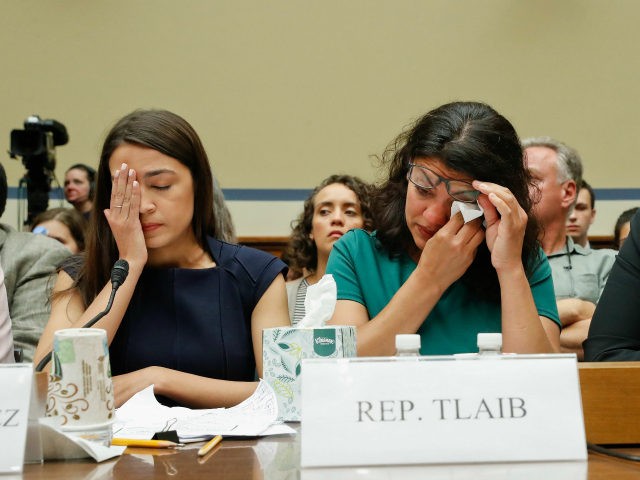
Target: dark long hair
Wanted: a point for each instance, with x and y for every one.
(166, 133)
(471, 138)
(70, 217)
(301, 252)
(625, 217)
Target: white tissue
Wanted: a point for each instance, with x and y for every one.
(470, 211)
(59, 445)
(319, 303)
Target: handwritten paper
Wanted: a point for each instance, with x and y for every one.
(142, 416)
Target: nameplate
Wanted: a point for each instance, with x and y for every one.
(375, 411)
(15, 388)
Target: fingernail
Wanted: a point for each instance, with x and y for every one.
(117, 174)
(123, 166)
(131, 172)
(135, 183)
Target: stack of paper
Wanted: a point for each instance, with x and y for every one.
(142, 416)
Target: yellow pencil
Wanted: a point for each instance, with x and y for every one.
(134, 442)
(206, 448)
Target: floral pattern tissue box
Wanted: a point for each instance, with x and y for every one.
(283, 350)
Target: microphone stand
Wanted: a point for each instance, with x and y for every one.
(118, 276)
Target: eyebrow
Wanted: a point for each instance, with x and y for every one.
(329, 203)
(160, 171)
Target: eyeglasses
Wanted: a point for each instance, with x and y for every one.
(427, 179)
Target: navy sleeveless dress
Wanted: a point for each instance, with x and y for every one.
(196, 320)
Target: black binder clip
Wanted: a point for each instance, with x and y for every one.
(166, 434)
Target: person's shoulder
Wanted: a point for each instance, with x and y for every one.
(292, 285)
(72, 265)
(357, 237)
(28, 244)
(236, 251)
(604, 252)
(227, 255)
(605, 256)
(539, 264)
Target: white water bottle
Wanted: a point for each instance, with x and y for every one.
(407, 345)
(489, 344)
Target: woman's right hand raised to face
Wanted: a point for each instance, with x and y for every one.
(123, 216)
(450, 252)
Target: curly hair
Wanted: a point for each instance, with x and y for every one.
(471, 138)
(301, 253)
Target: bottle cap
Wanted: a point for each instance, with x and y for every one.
(489, 341)
(408, 341)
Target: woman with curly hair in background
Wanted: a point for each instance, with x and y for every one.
(339, 204)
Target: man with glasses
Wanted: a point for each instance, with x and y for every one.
(579, 274)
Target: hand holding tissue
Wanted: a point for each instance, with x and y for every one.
(284, 348)
(470, 211)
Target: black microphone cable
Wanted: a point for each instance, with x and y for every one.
(119, 274)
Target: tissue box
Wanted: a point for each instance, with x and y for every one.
(283, 350)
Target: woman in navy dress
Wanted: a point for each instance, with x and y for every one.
(189, 317)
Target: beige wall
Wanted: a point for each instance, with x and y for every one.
(285, 93)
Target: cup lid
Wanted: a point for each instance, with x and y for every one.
(83, 428)
(406, 341)
(489, 340)
(78, 332)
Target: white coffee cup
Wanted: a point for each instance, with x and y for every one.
(80, 388)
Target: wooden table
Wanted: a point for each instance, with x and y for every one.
(279, 458)
(611, 406)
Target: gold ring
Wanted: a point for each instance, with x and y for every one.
(118, 206)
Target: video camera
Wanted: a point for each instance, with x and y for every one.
(36, 146)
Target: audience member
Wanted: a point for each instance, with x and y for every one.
(614, 334)
(79, 186)
(189, 317)
(338, 204)
(223, 221)
(424, 270)
(65, 225)
(582, 215)
(623, 227)
(6, 337)
(29, 262)
(579, 274)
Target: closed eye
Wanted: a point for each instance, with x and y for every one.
(425, 192)
(161, 187)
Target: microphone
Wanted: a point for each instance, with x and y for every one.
(119, 274)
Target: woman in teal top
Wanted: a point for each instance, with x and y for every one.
(425, 270)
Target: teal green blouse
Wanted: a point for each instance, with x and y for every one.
(365, 273)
